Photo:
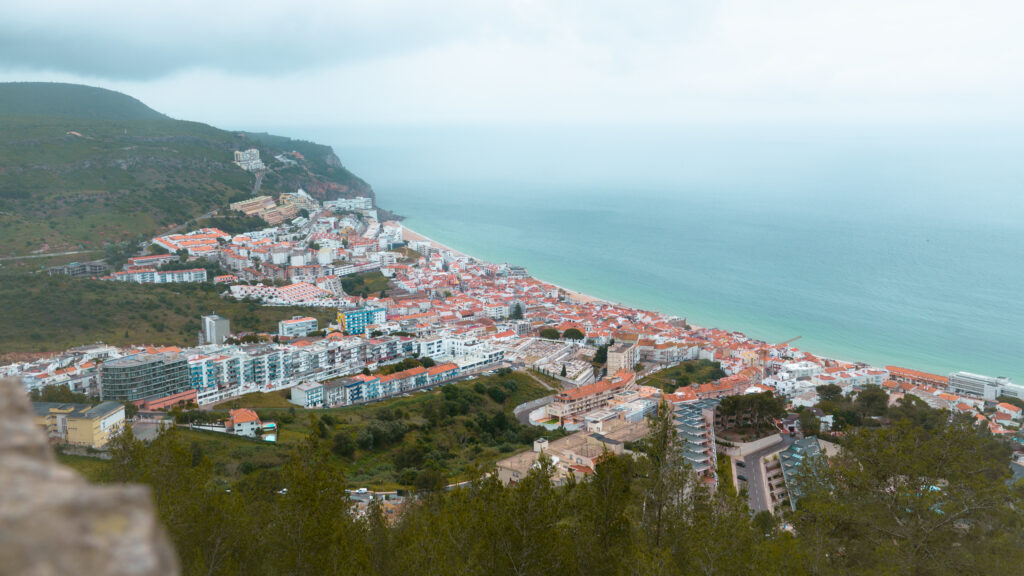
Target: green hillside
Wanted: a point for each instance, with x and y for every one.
(81, 167)
(43, 313)
(71, 101)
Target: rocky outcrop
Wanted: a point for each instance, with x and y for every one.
(54, 522)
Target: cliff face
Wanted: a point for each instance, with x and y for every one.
(54, 522)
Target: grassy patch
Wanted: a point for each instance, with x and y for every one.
(93, 469)
(685, 374)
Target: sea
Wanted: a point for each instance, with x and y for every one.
(890, 246)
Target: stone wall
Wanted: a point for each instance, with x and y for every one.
(54, 522)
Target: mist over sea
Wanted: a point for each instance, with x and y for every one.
(899, 247)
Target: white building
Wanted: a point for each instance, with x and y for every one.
(986, 387)
(308, 395)
(216, 329)
(296, 327)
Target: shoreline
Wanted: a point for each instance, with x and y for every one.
(410, 234)
(574, 294)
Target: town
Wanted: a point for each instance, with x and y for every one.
(457, 317)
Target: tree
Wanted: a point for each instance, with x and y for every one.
(517, 312)
(549, 333)
(809, 423)
(157, 249)
(573, 334)
(365, 439)
(907, 500)
(344, 444)
(601, 356)
(829, 393)
(872, 401)
(563, 371)
(427, 362)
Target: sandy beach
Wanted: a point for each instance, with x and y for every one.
(411, 235)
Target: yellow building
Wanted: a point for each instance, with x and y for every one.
(80, 424)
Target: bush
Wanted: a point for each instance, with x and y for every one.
(365, 439)
(497, 394)
(344, 444)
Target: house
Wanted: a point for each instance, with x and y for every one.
(244, 422)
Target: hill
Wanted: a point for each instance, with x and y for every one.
(83, 167)
(46, 314)
(452, 432)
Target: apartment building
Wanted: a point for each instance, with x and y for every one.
(144, 375)
(80, 424)
(356, 321)
(622, 357)
(297, 326)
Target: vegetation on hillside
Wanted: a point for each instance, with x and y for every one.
(83, 167)
(364, 284)
(901, 500)
(440, 436)
(685, 374)
(53, 313)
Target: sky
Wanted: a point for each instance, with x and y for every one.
(510, 62)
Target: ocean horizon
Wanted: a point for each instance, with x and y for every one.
(902, 248)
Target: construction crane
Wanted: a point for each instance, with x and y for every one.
(763, 356)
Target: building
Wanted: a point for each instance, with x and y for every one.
(79, 269)
(976, 385)
(791, 459)
(254, 205)
(308, 395)
(576, 402)
(622, 357)
(916, 377)
(356, 321)
(143, 375)
(80, 424)
(216, 329)
(297, 326)
(249, 160)
(153, 276)
(243, 422)
(695, 428)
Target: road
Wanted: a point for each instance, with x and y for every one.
(49, 255)
(753, 469)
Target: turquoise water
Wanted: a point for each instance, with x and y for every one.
(904, 248)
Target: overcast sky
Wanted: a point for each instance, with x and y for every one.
(540, 62)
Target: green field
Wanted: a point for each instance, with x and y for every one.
(455, 432)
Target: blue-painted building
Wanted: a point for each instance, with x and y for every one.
(356, 321)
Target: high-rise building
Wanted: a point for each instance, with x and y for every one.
(143, 375)
(356, 321)
(215, 329)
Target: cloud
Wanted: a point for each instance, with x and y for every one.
(147, 40)
(510, 61)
